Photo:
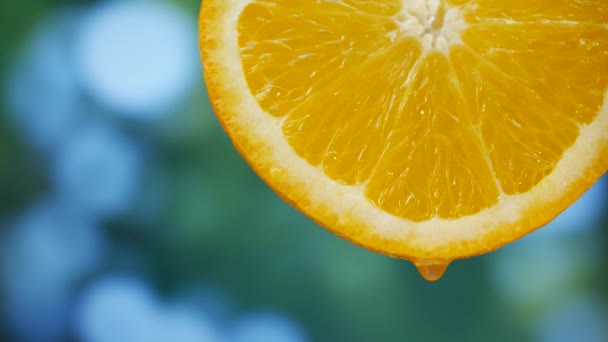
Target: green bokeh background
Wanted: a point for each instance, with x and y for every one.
(218, 225)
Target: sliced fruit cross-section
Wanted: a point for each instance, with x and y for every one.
(424, 129)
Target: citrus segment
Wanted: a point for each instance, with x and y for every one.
(329, 40)
(347, 143)
(434, 164)
(565, 65)
(538, 11)
(521, 147)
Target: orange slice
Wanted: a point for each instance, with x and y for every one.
(429, 130)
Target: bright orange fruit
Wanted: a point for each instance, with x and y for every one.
(429, 130)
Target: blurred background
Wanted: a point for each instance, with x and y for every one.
(126, 214)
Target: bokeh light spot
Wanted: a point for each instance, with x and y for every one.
(266, 327)
(97, 169)
(138, 58)
(118, 309)
(582, 319)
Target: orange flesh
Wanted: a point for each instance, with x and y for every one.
(428, 134)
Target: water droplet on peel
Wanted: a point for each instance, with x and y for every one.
(432, 271)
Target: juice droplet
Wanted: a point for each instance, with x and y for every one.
(432, 272)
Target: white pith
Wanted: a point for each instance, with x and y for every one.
(418, 18)
(348, 202)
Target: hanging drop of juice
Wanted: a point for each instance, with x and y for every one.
(431, 271)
